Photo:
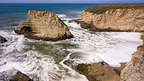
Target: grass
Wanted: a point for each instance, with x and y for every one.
(103, 8)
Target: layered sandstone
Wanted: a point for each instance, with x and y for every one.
(43, 25)
(131, 19)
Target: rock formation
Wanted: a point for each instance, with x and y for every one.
(2, 39)
(43, 25)
(98, 71)
(13, 75)
(134, 70)
(119, 19)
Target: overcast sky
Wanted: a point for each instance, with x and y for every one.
(71, 1)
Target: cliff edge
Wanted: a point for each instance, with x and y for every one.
(114, 17)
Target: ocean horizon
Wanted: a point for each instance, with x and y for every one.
(12, 14)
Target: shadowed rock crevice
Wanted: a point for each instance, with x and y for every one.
(2, 39)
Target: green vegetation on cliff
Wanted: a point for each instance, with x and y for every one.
(103, 8)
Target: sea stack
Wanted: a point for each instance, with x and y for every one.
(114, 17)
(43, 25)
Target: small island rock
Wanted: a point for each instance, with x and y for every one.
(43, 25)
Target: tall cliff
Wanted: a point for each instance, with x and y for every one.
(43, 25)
(114, 17)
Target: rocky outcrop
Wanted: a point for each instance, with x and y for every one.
(2, 39)
(130, 19)
(134, 70)
(99, 71)
(43, 25)
(13, 75)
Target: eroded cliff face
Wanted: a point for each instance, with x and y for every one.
(134, 70)
(114, 19)
(43, 25)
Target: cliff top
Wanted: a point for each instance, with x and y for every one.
(103, 8)
(39, 13)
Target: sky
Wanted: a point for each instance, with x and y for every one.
(71, 1)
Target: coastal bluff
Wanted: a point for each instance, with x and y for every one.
(43, 25)
(114, 17)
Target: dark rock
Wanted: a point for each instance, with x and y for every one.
(13, 75)
(2, 39)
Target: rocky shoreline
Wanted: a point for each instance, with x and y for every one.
(131, 71)
(115, 18)
(43, 25)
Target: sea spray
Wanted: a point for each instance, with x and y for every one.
(75, 76)
(111, 47)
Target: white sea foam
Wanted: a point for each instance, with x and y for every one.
(15, 42)
(75, 76)
(61, 15)
(37, 66)
(32, 64)
(111, 47)
(76, 15)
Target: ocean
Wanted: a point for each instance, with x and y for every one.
(45, 60)
(12, 14)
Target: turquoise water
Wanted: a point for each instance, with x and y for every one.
(12, 14)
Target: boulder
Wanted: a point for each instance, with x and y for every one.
(98, 72)
(43, 25)
(13, 75)
(2, 39)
